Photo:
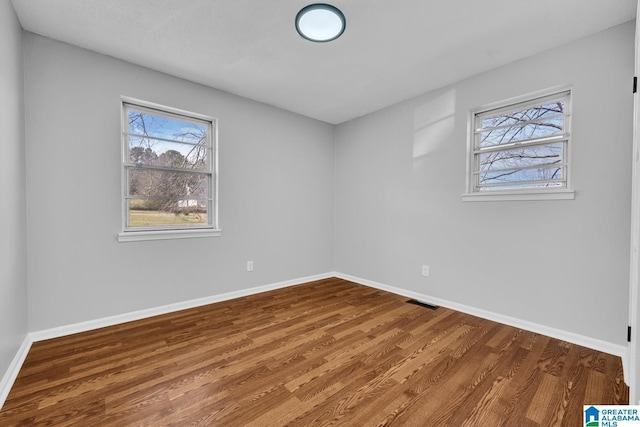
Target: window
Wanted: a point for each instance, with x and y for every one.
(168, 173)
(520, 150)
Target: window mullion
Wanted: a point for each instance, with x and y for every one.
(168, 169)
(540, 166)
(522, 144)
(158, 138)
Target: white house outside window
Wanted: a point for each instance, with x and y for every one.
(169, 173)
(521, 150)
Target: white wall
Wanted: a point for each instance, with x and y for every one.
(13, 263)
(276, 192)
(400, 173)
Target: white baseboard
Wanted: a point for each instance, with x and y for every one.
(170, 308)
(14, 368)
(596, 344)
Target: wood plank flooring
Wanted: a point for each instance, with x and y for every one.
(329, 352)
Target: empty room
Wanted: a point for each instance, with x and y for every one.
(363, 213)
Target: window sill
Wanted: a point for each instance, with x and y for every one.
(137, 236)
(495, 196)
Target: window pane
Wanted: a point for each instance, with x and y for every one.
(152, 152)
(519, 175)
(522, 132)
(143, 123)
(522, 157)
(544, 112)
(167, 184)
(158, 213)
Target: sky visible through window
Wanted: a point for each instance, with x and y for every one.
(155, 132)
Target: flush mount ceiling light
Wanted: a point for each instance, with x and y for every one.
(320, 22)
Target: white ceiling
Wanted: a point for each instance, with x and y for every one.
(390, 51)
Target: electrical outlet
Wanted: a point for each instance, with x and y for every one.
(249, 265)
(425, 270)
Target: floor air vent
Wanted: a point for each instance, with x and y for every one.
(422, 304)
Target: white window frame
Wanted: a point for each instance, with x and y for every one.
(211, 229)
(513, 104)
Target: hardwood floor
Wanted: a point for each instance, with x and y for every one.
(329, 352)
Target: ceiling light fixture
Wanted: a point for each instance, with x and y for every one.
(320, 22)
